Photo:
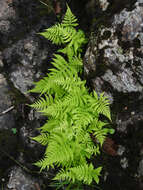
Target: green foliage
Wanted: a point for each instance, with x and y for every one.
(69, 19)
(73, 113)
(14, 130)
(84, 172)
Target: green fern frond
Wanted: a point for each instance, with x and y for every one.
(68, 50)
(85, 173)
(103, 106)
(82, 117)
(69, 19)
(100, 104)
(43, 138)
(68, 34)
(66, 83)
(41, 86)
(88, 147)
(92, 150)
(62, 67)
(59, 34)
(43, 102)
(73, 113)
(52, 85)
(50, 125)
(53, 111)
(101, 134)
(54, 34)
(58, 151)
(76, 63)
(63, 75)
(75, 98)
(77, 41)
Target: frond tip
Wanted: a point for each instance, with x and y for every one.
(69, 19)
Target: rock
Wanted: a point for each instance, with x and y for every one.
(122, 81)
(140, 168)
(18, 18)
(133, 24)
(113, 64)
(19, 180)
(7, 120)
(26, 55)
(25, 61)
(6, 10)
(103, 4)
(121, 150)
(7, 16)
(15, 133)
(117, 56)
(24, 58)
(124, 163)
(1, 62)
(8, 140)
(26, 133)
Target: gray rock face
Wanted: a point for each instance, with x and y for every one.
(140, 168)
(17, 18)
(103, 4)
(7, 15)
(20, 181)
(24, 52)
(113, 64)
(25, 61)
(122, 81)
(133, 24)
(119, 53)
(6, 11)
(7, 120)
(8, 140)
(24, 58)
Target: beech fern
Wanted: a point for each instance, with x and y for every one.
(73, 113)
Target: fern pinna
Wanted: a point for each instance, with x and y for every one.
(72, 112)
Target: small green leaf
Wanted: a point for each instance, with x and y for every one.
(14, 130)
(111, 131)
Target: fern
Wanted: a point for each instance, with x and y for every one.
(73, 113)
(69, 19)
(58, 151)
(85, 173)
(43, 138)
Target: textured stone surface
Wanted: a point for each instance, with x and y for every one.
(24, 58)
(117, 56)
(25, 61)
(7, 120)
(20, 181)
(113, 64)
(29, 53)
